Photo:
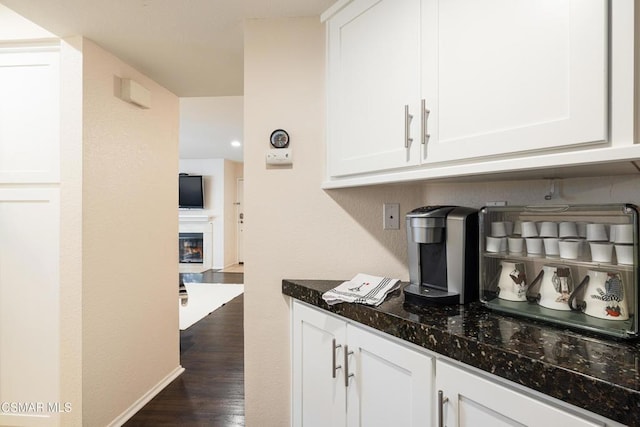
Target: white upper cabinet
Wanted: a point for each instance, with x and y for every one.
(507, 85)
(502, 76)
(373, 72)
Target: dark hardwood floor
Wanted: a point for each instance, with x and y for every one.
(210, 393)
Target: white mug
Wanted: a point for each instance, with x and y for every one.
(551, 246)
(548, 229)
(597, 233)
(529, 229)
(512, 284)
(568, 229)
(622, 233)
(624, 254)
(498, 229)
(604, 297)
(556, 287)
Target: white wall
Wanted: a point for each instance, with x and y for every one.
(130, 338)
(294, 229)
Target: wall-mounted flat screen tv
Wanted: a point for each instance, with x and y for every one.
(191, 192)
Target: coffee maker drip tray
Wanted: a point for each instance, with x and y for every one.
(425, 295)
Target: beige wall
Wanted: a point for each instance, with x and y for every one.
(130, 274)
(294, 229)
(609, 189)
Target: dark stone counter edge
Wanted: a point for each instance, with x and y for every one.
(606, 399)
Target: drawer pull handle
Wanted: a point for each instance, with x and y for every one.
(347, 375)
(441, 401)
(407, 127)
(334, 367)
(425, 119)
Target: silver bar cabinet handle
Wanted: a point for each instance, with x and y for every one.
(407, 127)
(347, 375)
(334, 367)
(425, 119)
(441, 401)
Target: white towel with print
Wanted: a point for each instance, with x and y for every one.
(363, 289)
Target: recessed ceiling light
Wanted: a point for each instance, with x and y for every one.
(235, 143)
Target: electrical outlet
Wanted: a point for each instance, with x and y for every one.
(391, 216)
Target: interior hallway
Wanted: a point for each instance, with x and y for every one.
(211, 390)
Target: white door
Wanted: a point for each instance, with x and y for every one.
(240, 219)
(392, 385)
(373, 72)
(472, 400)
(505, 76)
(318, 356)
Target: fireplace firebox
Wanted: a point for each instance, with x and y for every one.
(195, 243)
(191, 248)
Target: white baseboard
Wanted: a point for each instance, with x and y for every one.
(146, 398)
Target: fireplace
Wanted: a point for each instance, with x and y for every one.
(190, 248)
(195, 243)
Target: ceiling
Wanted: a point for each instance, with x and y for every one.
(194, 48)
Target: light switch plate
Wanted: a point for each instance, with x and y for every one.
(391, 215)
(279, 156)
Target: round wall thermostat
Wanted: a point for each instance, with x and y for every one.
(279, 138)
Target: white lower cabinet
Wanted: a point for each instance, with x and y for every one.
(348, 375)
(467, 399)
(345, 375)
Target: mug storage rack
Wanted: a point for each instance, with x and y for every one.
(625, 271)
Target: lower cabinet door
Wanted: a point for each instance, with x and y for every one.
(472, 400)
(389, 384)
(318, 383)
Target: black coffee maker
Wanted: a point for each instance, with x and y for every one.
(443, 255)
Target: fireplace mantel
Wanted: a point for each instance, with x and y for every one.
(195, 218)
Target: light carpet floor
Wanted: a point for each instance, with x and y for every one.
(205, 298)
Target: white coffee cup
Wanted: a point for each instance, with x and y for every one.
(534, 245)
(604, 297)
(512, 283)
(498, 229)
(508, 225)
(515, 245)
(551, 246)
(568, 229)
(529, 229)
(622, 233)
(494, 244)
(548, 229)
(517, 228)
(556, 287)
(624, 254)
(597, 233)
(582, 229)
(601, 251)
(570, 248)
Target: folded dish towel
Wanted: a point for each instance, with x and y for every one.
(363, 289)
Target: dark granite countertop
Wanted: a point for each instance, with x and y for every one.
(591, 372)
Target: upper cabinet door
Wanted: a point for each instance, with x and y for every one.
(373, 73)
(29, 114)
(505, 76)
